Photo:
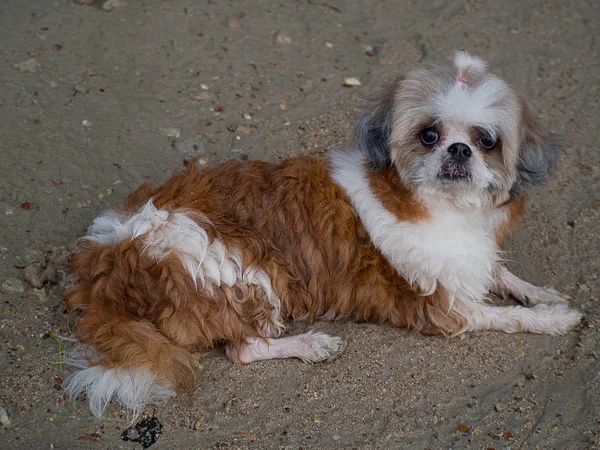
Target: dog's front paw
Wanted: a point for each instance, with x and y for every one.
(556, 318)
(541, 296)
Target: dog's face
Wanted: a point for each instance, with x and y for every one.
(459, 132)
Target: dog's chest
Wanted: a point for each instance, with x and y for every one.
(454, 249)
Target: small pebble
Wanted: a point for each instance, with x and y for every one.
(171, 132)
(583, 288)
(59, 256)
(199, 422)
(328, 45)
(28, 66)
(247, 116)
(109, 5)
(86, 123)
(4, 420)
(204, 87)
(81, 89)
(351, 81)
(33, 255)
(200, 96)
(13, 286)
(40, 294)
(37, 274)
(283, 38)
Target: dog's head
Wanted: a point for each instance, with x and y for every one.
(459, 132)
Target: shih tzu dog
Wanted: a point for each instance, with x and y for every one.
(404, 228)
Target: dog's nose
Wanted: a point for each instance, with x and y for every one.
(459, 151)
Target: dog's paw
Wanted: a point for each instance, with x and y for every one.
(556, 318)
(320, 346)
(542, 296)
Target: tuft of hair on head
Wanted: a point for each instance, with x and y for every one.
(466, 64)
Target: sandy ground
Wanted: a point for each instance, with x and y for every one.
(101, 101)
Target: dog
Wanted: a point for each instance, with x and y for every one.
(406, 228)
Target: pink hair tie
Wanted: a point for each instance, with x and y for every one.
(462, 80)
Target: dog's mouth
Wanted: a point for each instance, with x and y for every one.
(454, 173)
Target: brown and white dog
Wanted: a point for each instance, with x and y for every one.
(405, 228)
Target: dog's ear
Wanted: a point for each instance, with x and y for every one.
(374, 125)
(539, 152)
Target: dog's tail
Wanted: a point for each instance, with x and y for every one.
(152, 369)
(121, 354)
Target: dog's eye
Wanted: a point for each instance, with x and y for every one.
(487, 141)
(429, 136)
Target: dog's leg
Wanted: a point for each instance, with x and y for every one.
(309, 347)
(556, 318)
(526, 293)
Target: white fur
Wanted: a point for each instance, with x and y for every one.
(454, 248)
(555, 318)
(463, 60)
(482, 106)
(505, 283)
(134, 388)
(309, 347)
(208, 262)
(548, 311)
